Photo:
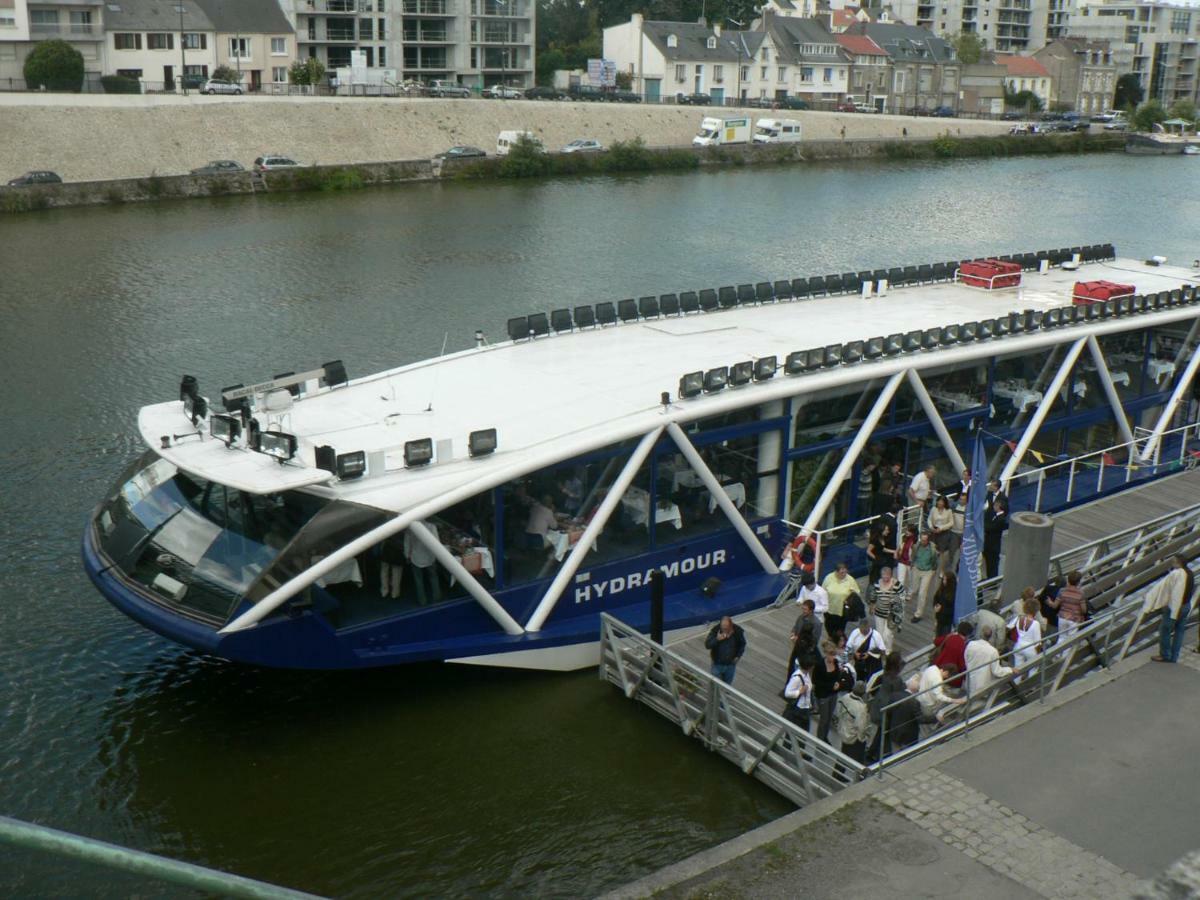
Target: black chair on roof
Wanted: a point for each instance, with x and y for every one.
(606, 313)
(539, 325)
(669, 304)
(850, 282)
(783, 289)
(648, 307)
(518, 328)
(910, 275)
(895, 277)
(833, 284)
(939, 272)
(560, 320)
(585, 317)
(925, 273)
(800, 289)
(862, 277)
(816, 285)
(727, 297)
(745, 294)
(689, 302)
(764, 292)
(878, 275)
(708, 300)
(627, 310)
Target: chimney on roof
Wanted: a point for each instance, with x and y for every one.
(702, 22)
(717, 29)
(637, 20)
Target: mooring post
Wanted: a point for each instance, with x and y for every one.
(656, 606)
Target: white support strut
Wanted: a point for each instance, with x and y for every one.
(935, 419)
(1169, 410)
(1043, 409)
(1110, 390)
(852, 452)
(719, 495)
(584, 545)
(422, 533)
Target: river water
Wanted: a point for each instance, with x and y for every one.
(426, 780)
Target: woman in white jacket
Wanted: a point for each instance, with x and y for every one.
(1029, 636)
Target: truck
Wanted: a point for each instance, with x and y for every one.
(714, 131)
(776, 131)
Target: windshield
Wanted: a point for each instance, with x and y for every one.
(708, 132)
(767, 132)
(198, 543)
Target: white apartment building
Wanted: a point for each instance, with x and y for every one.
(1024, 73)
(25, 22)
(1007, 26)
(477, 43)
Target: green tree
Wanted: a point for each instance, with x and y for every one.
(1148, 115)
(225, 73)
(968, 46)
(1182, 109)
(1022, 100)
(1129, 91)
(309, 71)
(624, 80)
(55, 66)
(547, 62)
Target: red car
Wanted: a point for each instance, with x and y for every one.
(845, 107)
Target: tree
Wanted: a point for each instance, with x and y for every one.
(1182, 109)
(624, 80)
(1026, 100)
(55, 66)
(1148, 115)
(548, 61)
(224, 73)
(1129, 91)
(309, 71)
(968, 47)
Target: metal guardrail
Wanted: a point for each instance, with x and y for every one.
(760, 742)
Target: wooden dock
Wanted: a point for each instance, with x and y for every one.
(763, 670)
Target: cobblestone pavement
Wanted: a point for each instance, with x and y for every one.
(1003, 840)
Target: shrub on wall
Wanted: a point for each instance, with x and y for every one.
(55, 66)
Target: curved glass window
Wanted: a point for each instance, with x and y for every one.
(195, 544)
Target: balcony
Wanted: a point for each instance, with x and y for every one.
(413, 36)
(71, 32)
(336, 7)
(338, 35)
(427, 8)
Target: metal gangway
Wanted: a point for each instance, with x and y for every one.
(749, 731)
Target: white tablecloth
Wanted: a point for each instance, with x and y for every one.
(735, 492)
(685, 478)
(637, 503)
(1158, 368)
(954, 401)
(1022, 397)
(560, 542)
(347, 571)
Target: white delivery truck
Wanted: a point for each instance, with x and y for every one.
(776, 131)
(506, 140)
(722, 131)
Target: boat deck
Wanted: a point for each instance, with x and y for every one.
(763, 670)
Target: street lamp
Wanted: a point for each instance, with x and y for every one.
(182, 56)
(739, 50)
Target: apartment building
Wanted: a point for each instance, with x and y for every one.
(25, 22)
(1007, 26)
(926, 73)
(1083, 73)
(1026, 73)
(477, 43)
(809, 61)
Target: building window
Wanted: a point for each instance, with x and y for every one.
(699, 68)
(711, 43)
(745, 73)
(475, 59)
(157, 41)
(828, 75)
(81, 21)
(382, 57)
(130, 73)
(766, 56)
(279, 46)
(763, 74)
(1181, 21)
(126, 41)
(806, 74)
(279, 74)
(43, 21)
(718, 73)
(239, 48)
(681, 72)
(858, 78)
(672, 41)
(782, 73)
(366, 29)
(194, 41)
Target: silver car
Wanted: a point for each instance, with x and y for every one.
(219, 167)
(583, 145)
(215, 86)
(448, 89)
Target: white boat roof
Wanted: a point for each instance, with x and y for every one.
(563, 395)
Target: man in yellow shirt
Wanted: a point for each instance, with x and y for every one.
(838, 585)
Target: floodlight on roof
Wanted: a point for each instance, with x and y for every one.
(765, 368)
(968, 331)
(931, 338)
(833, 356)
(874, 348)
(418, 452)
(949, 335)
(852, 352)
(716, 379)
(893, 344)
(1033, 319)
(1052, 318)
(741, 373)
(482, 442)
(796, 362)
(351, 465)
(277, 444)
(225, 428)
(1137, 303)
(691, 385)
(912, 341)
(1003, 326)
(1016, 322)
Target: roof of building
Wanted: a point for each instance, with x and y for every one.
(253, 16)
(860, 45)
(906, 43)
(691, 41)
(154, 15)
(790, 35)
(840, 18)
(1022, 66)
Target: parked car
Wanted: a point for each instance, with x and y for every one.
(502, 92)
(1051, 117)
(587, 92)
(1105, 117)
(761, 103)
(448, 89)
(273, 163)
(216, 86)
(1012, 115)
(461, 152)
(544, 93)
(583, 145)
(944, 112)
(696, 99)
(846, 106)
(1118, 124)
(219, 167)
(625, 97)
(1078, 122)
(40, 176)
(864, 108)
(793, 103)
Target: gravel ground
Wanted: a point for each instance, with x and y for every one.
(94, 137)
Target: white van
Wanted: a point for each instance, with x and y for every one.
(715, 131)
(776, 131)
(506, 140)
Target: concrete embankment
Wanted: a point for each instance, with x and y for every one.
(97, 137)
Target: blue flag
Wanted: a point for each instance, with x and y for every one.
(972, 539)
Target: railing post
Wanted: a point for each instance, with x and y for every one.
(1037, 501)
(1100, 475)
(883, 716)
(1071, 482)
(1041, 660)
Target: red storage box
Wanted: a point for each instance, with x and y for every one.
(1086, 293)
(990, 274)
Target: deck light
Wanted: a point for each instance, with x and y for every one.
(335, 373)
(225, 428)
(1094, 311)
(418, 452)
(852, 352)
(1016, 322)
(482, 442)
(1033, 319)
(968, 331)
(237, 404)
(912, 341)
(716, 379)
(277, 444)
(765, 368)
(987, 329)
(189, 387)
(741, 373)
(1052, 318)
(949, 335)
(1189, 293)
(893, 344)
(1003, 326)
(691, 384)
(351, 465)
(796, 362)
(874, 348)
(833, 356)
(931, 338)
(1137, 303)
(196, 408)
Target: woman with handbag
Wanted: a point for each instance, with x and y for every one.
(799, 694)
(829, 679)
